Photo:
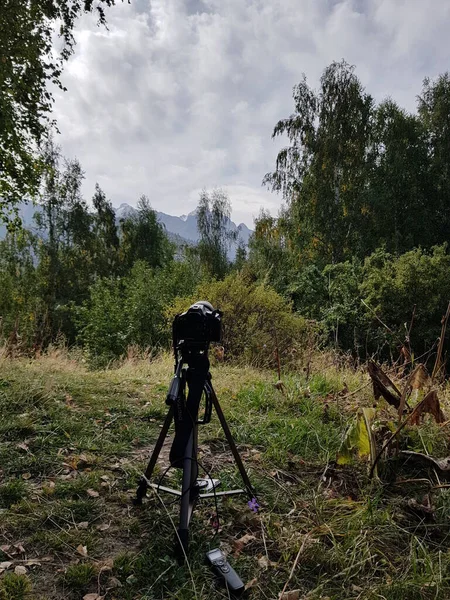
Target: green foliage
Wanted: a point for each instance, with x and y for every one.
(256, 320)
(15, 587)
(12, 492)
(79, 576)
(213, 215)
(131, 310)
(357, 176)
(393, 286)
(143, 238)
(28, 68)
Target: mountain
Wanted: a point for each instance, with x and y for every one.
(186, 225)
(180, 229)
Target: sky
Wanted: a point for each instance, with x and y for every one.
(180, 95)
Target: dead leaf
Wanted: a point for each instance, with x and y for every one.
(383, 386)
(93, 597)
(82, 550)
(26, 476)
(93, 493)
(22, 446)
(430, 404)
(83, 525)
(265, 563)
(251, 583)
(239, 545)
(5, 565)
(113, 583)
(420, 377)
(292, 595)
(442, 464)
(20, 570)
(32, 563)
(103, 526)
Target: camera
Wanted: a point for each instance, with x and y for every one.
(198, 326)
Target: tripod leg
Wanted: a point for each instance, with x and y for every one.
(143, 485)
(187, 492)
(230, 441)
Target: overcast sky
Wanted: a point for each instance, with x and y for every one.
(183, 94)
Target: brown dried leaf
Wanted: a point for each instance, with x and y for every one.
(383, 386)
(419, 377)
(93, 493)
(82, 550)
(265, 563)
(103, 526)
(83, 525)
(26, 476)
(292, 595)
(22, 446)
(430, 404)
(20, 570)
(239, 545)
(251, 583)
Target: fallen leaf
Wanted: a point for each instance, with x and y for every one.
(113, 583)
(82, 550)
(103, 526)
(265, 563)
(20, 570)
(93, 597)
(83, 525)
(292, 595)
(5, 565)
(32, 563)
(93, 493)
(26, 476)
(238, 545)
(251, 583)
(22, 446)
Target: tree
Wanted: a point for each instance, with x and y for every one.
(106, 236)
(144, 238)
(28, 68)
(399, 200)
(434, 111)
(323, 172)
(213, 217)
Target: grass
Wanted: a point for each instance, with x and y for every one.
(73, 444)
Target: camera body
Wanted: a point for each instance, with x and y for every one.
(199, 325)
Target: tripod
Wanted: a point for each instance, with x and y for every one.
(183, 454)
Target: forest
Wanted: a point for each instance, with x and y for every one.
(358, 253)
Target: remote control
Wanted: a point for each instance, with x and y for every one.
(223, 569)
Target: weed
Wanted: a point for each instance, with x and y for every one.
(79, 576)
(11, 492)
(15, 587)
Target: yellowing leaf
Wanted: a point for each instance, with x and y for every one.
(357, 442)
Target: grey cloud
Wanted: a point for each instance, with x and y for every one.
(178, 96)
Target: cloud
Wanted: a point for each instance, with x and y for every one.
(177, 96)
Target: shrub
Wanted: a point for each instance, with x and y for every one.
(393, 286)
(131, 310)
(256, 320)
